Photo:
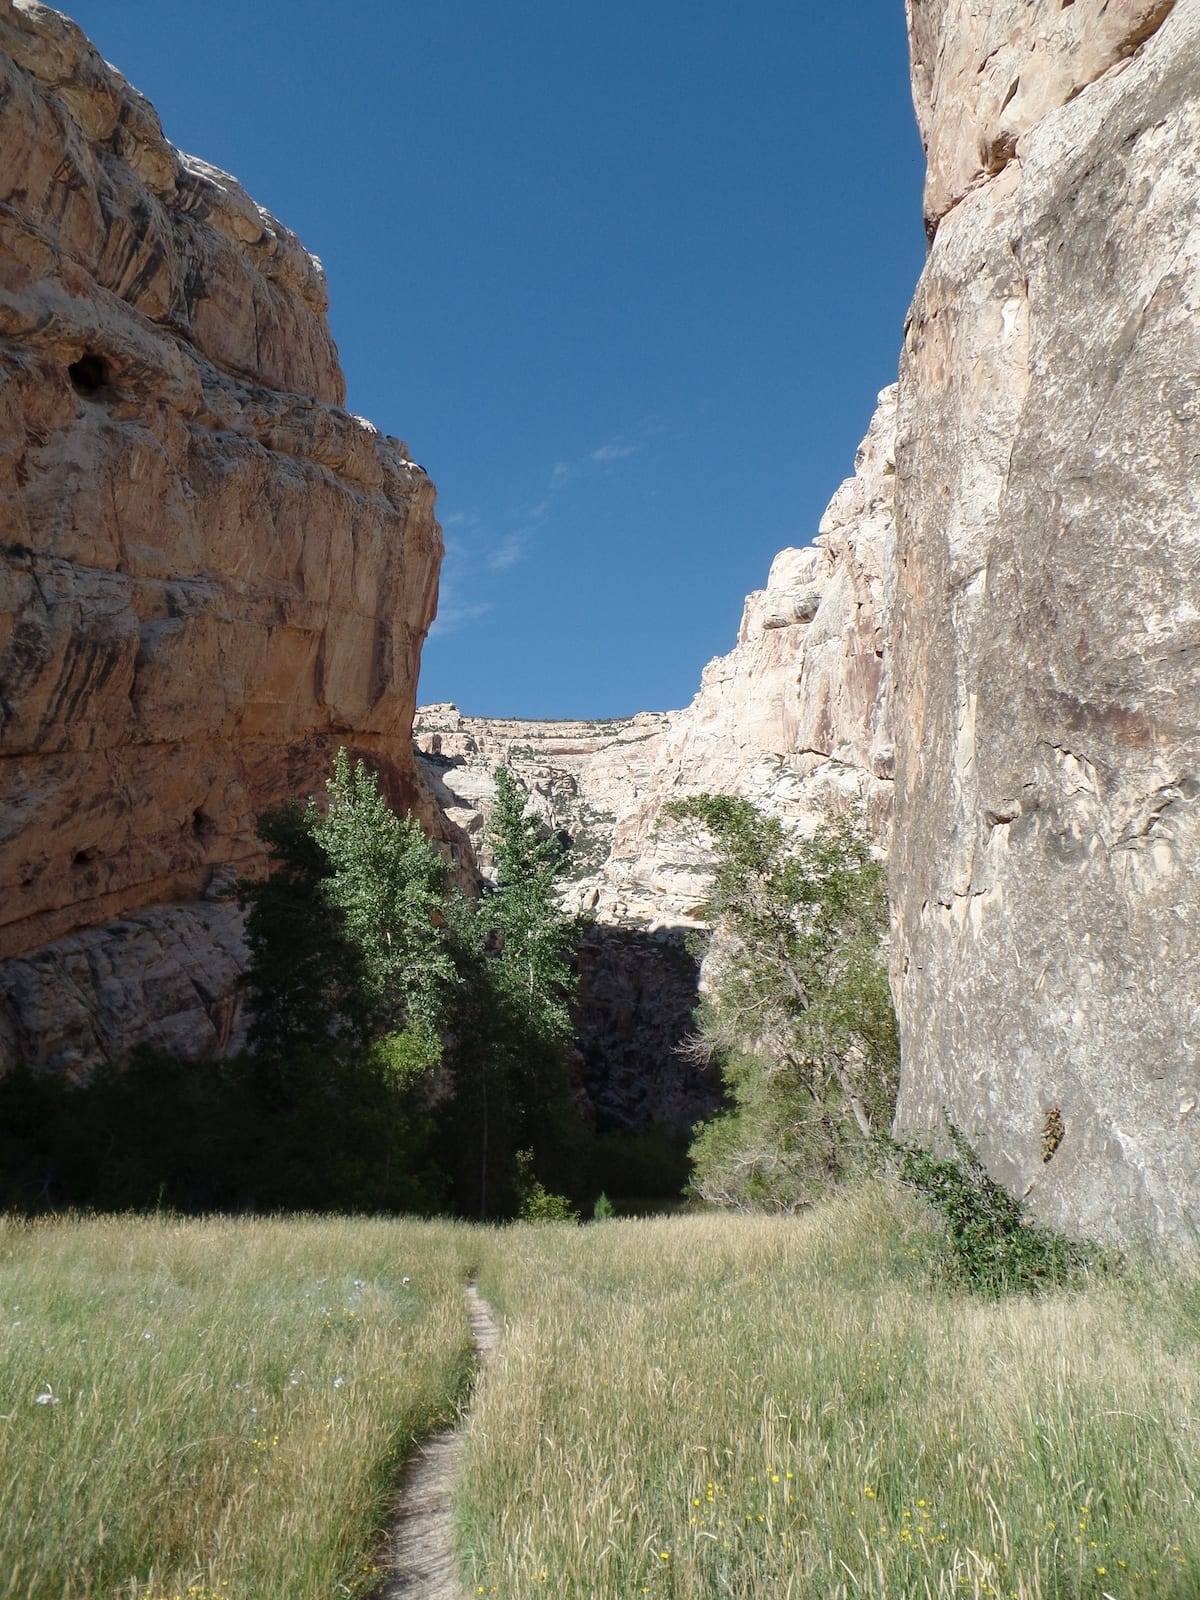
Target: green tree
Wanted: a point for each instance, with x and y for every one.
(348, 943)
(534, 938)
(513, 1026)
(798, 1010)
(388, 886)
(303, 981)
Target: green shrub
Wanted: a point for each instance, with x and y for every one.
(798, 1012)
(537, 1204)
(995, 1247)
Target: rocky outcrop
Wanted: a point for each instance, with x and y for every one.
(983, 76)
(211, 574)
(1046, 629)
(579, 775)
(165, 977)
(796, 717)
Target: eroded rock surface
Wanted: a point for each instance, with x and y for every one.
(580, 776)
(211, 575)
(1046, 632)
(985, 75)
(795, 718)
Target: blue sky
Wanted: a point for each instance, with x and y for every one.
(625, 274)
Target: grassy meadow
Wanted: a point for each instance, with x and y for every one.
(216, 1408)
(697, 1406)
(709, 1406)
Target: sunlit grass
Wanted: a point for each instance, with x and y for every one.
(693, 1407)
(215, 1409)
(713, 1406)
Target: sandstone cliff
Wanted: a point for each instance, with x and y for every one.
(1044, 639)
(795, 718)
(211, 574)
(580, 776)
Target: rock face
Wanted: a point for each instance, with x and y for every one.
(580, 776)
(796, 717)
(211, 574)
(1045, 637)
(983, 76)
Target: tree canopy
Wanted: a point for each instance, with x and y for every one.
(798, 1004)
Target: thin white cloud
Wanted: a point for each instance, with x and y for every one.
(614, 450)
(454, 614)
(471, 553)
(509, 551)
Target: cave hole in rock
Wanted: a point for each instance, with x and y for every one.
(82, 858)
(203, 826)
(1053, 1130)
(89, 375)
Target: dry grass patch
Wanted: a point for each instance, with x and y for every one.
(711, 1406)
(215, 1408)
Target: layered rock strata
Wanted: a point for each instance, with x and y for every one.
(211, 574)
(1046, 630)
(579, 776)
(795, 718)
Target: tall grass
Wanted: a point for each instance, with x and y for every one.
(706, 1406)
(215, 1408)
(695, 1407)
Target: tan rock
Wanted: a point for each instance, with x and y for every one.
(984, 75)
(794, 718)
(580, 776)
(1045, 631)
(211, 575)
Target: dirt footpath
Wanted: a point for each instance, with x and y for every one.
(419, 1559)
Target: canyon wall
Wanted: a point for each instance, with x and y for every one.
(1045, 635)
(211, 574)
(794, 718)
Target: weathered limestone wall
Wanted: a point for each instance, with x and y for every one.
(211, 575)
(1045, 638)
(795, 718)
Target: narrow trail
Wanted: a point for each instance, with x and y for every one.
(420, 1558)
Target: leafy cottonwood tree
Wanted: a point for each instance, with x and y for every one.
(302, 984)
(799, 1008)
(361, 957)
(535, 939)
(347, 941)
(514, 1022)
(388, 883)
